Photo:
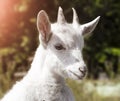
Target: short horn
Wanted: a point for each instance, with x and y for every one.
(75, 17)
(61, 18)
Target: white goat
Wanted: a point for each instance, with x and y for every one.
(58, 56)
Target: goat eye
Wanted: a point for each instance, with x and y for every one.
(59, 47)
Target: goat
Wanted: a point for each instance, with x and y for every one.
(59, 56)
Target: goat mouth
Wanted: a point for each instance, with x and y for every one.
(79, 77)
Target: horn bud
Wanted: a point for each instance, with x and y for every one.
(75, 18)
(61, 18)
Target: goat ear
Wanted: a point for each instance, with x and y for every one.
(89, 27)
(44, 27)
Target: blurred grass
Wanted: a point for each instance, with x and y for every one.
(78, 91)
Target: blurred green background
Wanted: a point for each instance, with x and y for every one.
(19, 40)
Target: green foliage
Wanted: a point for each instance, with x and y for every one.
(11, 61)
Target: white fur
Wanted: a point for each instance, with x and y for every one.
(45, 79)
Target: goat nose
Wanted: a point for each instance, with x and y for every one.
(83, 70)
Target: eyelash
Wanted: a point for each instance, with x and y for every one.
(59, 47)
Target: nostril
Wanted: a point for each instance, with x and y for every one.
(83, 70)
